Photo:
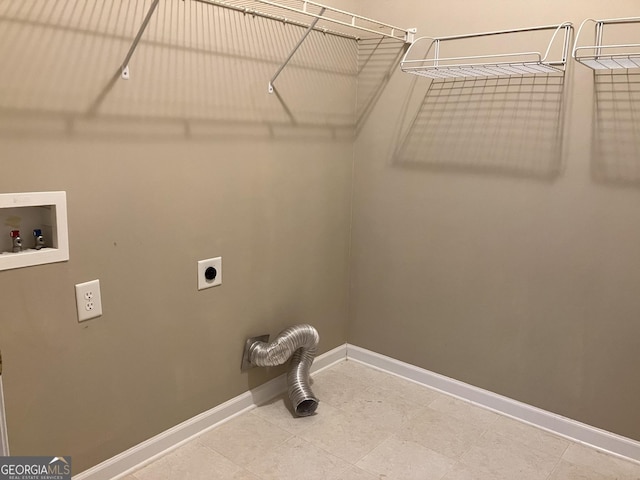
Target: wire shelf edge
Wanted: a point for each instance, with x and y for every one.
(596, 56)
(505, 64)
(325, 19)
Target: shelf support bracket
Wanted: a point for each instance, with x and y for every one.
(295, 49)
(410, 36)
(124, 69)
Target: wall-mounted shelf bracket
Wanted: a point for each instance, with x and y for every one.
(601, 56)
(410, 36)
(295, 49)
(433, 65)
(124, 69)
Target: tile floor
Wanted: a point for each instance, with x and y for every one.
(371, 425)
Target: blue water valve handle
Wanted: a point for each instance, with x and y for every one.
(39, 239)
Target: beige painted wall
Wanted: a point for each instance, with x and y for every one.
(189, 159)
(507, 267)
(483, 252)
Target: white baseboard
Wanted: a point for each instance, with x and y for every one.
(557, 424)
(153, 448)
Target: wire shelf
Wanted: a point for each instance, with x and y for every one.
(492, 65)
(319, 17)
(602, 56)
(303, 13)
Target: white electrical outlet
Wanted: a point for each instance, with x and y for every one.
(88, 300)
(209, 273)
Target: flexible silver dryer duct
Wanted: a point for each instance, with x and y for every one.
(298, 342)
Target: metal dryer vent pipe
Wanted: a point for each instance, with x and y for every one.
(300, 343)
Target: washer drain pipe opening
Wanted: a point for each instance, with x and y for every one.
(299, 343)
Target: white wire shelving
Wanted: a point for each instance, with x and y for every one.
(303, 13)
(603, 56)
(434, 65)
(329, 19)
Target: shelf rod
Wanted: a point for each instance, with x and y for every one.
(134, 45)
(499, 32)
(611, 21)
(295, 49)
(354, 17)
(289, 21)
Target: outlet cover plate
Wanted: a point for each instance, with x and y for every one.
(88, 300)
(203, 282)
